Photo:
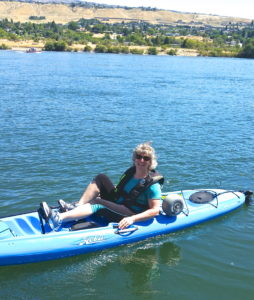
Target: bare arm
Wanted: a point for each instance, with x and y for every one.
(154, 210)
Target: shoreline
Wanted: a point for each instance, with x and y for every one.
(27, 44)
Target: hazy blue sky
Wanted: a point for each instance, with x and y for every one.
(235, 8)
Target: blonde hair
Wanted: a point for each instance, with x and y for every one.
(146, 148)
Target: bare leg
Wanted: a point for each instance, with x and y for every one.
(77, 213)
(85, 210)
(90, 193)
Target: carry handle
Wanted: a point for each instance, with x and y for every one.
(126, 231)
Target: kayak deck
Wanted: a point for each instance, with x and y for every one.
(25, 238)
(29, 224)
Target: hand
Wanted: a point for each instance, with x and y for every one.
(125, 222)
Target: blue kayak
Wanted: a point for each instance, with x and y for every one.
(26, 238)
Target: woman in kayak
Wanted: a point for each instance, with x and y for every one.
(136, 197)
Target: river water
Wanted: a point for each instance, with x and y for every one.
(67, 116)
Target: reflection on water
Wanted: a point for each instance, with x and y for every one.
(143, 265)
(138, 266)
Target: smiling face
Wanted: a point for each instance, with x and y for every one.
(144, 156)
(142, 161)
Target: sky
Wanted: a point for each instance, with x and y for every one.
(230, 8)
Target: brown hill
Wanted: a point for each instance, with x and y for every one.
(64, 13)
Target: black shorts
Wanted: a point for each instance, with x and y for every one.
(109, 215)
(105, 186)
(107, 189)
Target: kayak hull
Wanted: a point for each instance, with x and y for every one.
(22, 239)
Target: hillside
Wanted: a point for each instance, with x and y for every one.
(64, 13)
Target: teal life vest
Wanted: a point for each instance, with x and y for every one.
(130, 198)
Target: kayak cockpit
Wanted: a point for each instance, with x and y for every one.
(31, 224)
(21, 225)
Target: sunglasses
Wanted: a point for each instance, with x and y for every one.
(146, 158)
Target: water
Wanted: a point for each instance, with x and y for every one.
(67, 116)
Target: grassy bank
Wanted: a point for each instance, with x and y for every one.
(26, 44)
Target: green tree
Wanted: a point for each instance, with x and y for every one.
(172, 52)
(55, 46)
(101, 49)
(248, 50)
(152, 51)
(4, 47)
(53, 26)
(3, 33)
(136, 51)
(189, 44)
(136, 38)
(60, 46)
(73, 26)
(88, 48)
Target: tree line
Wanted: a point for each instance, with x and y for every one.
(233, 41)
